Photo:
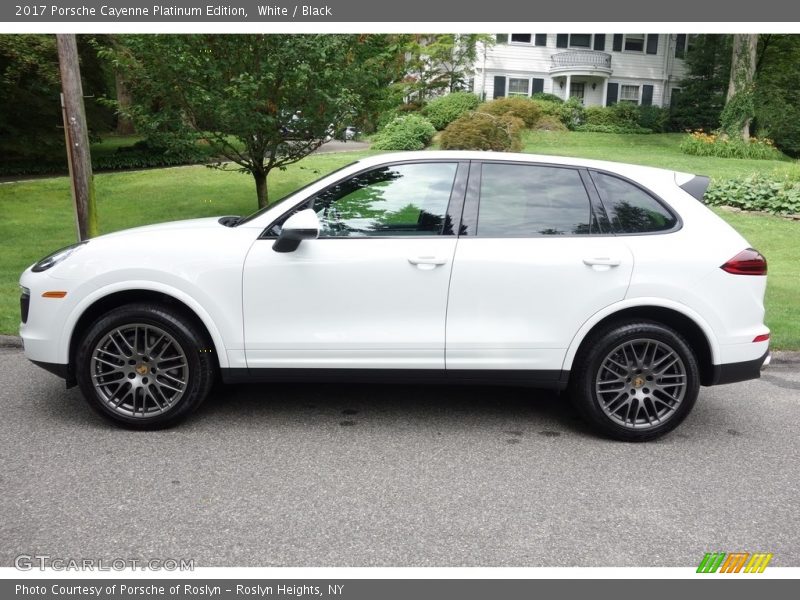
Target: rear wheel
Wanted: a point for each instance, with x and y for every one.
(144, 366)
(635, 381)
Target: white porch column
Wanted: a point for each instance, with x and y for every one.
(569, 87)
(605, 92)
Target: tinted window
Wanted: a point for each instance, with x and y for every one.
(527, 200)
(409, 199)
(631, 209)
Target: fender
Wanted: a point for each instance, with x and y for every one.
(152, 286)
(584, 330)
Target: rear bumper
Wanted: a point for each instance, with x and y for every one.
(739, 371)
(58, 369)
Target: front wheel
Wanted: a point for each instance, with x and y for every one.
(144, 366)
(635, 381)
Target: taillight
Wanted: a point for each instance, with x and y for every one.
(747, 262)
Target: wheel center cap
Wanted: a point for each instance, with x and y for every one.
(637, 382)
(142, 369)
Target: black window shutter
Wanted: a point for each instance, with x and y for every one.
(538, 86)
(600, 41)
(647, 95)
(499, 86)
(652, 43)
(502, 38)
(680, 45)
(540, 39)
(562, 40)
(613, 94)
(617, 42)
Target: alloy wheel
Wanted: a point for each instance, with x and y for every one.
(641, 383)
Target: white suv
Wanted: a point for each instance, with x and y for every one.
(608, 280)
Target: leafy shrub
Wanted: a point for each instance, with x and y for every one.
(545, 97)
(484, 131)
(759, 192)
(387, 116)
(654, 118)
(778, 118)
(625, 113)
(550, 123)
(549, 109)
(444, 110)
(572, 113)
(625, 117)
(409, 132)
(600, 115)
(522, 108)
(588, 127)
(699, 143)
(141, 155)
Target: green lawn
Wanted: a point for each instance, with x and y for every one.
(37, 215)
(111, 142)
(656, 150)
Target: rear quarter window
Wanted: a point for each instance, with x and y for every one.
(631, 209)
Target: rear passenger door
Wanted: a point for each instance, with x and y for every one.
(535, 260)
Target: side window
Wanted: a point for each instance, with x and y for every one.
(531, 200)
(406, 199)
(630, 208)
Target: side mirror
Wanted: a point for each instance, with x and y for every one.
(303, 225)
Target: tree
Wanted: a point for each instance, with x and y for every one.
(739, 105)
(261, 101)
(702, 91)
(441, 63)
(30, 109)
(777, 109)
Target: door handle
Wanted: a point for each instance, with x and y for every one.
(427, 263)
(603, 261)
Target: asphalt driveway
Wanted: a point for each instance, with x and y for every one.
(338, 475)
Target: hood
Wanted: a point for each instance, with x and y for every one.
(188, 224)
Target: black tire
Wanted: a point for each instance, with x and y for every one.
(618, 389)
(153, 387)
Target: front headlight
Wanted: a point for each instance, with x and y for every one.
(56, 257)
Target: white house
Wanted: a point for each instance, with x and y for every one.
(599, 68)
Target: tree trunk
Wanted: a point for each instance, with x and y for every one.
(124, 124)
(261, 188)
(743, 68)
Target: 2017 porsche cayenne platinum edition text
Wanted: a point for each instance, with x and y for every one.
(611, 282)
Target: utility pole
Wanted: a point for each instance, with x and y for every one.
(77, 137)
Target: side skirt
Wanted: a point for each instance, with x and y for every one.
(554, 379)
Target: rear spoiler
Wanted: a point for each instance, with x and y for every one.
(695, 187)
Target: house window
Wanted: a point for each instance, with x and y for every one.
(680, 45)
(521, 38)
(518, 87)
(634, 42)
(580, 40)
(577, 90)
(629, 93)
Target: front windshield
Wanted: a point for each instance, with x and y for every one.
(261, 211)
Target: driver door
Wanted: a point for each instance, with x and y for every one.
(371, 291)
